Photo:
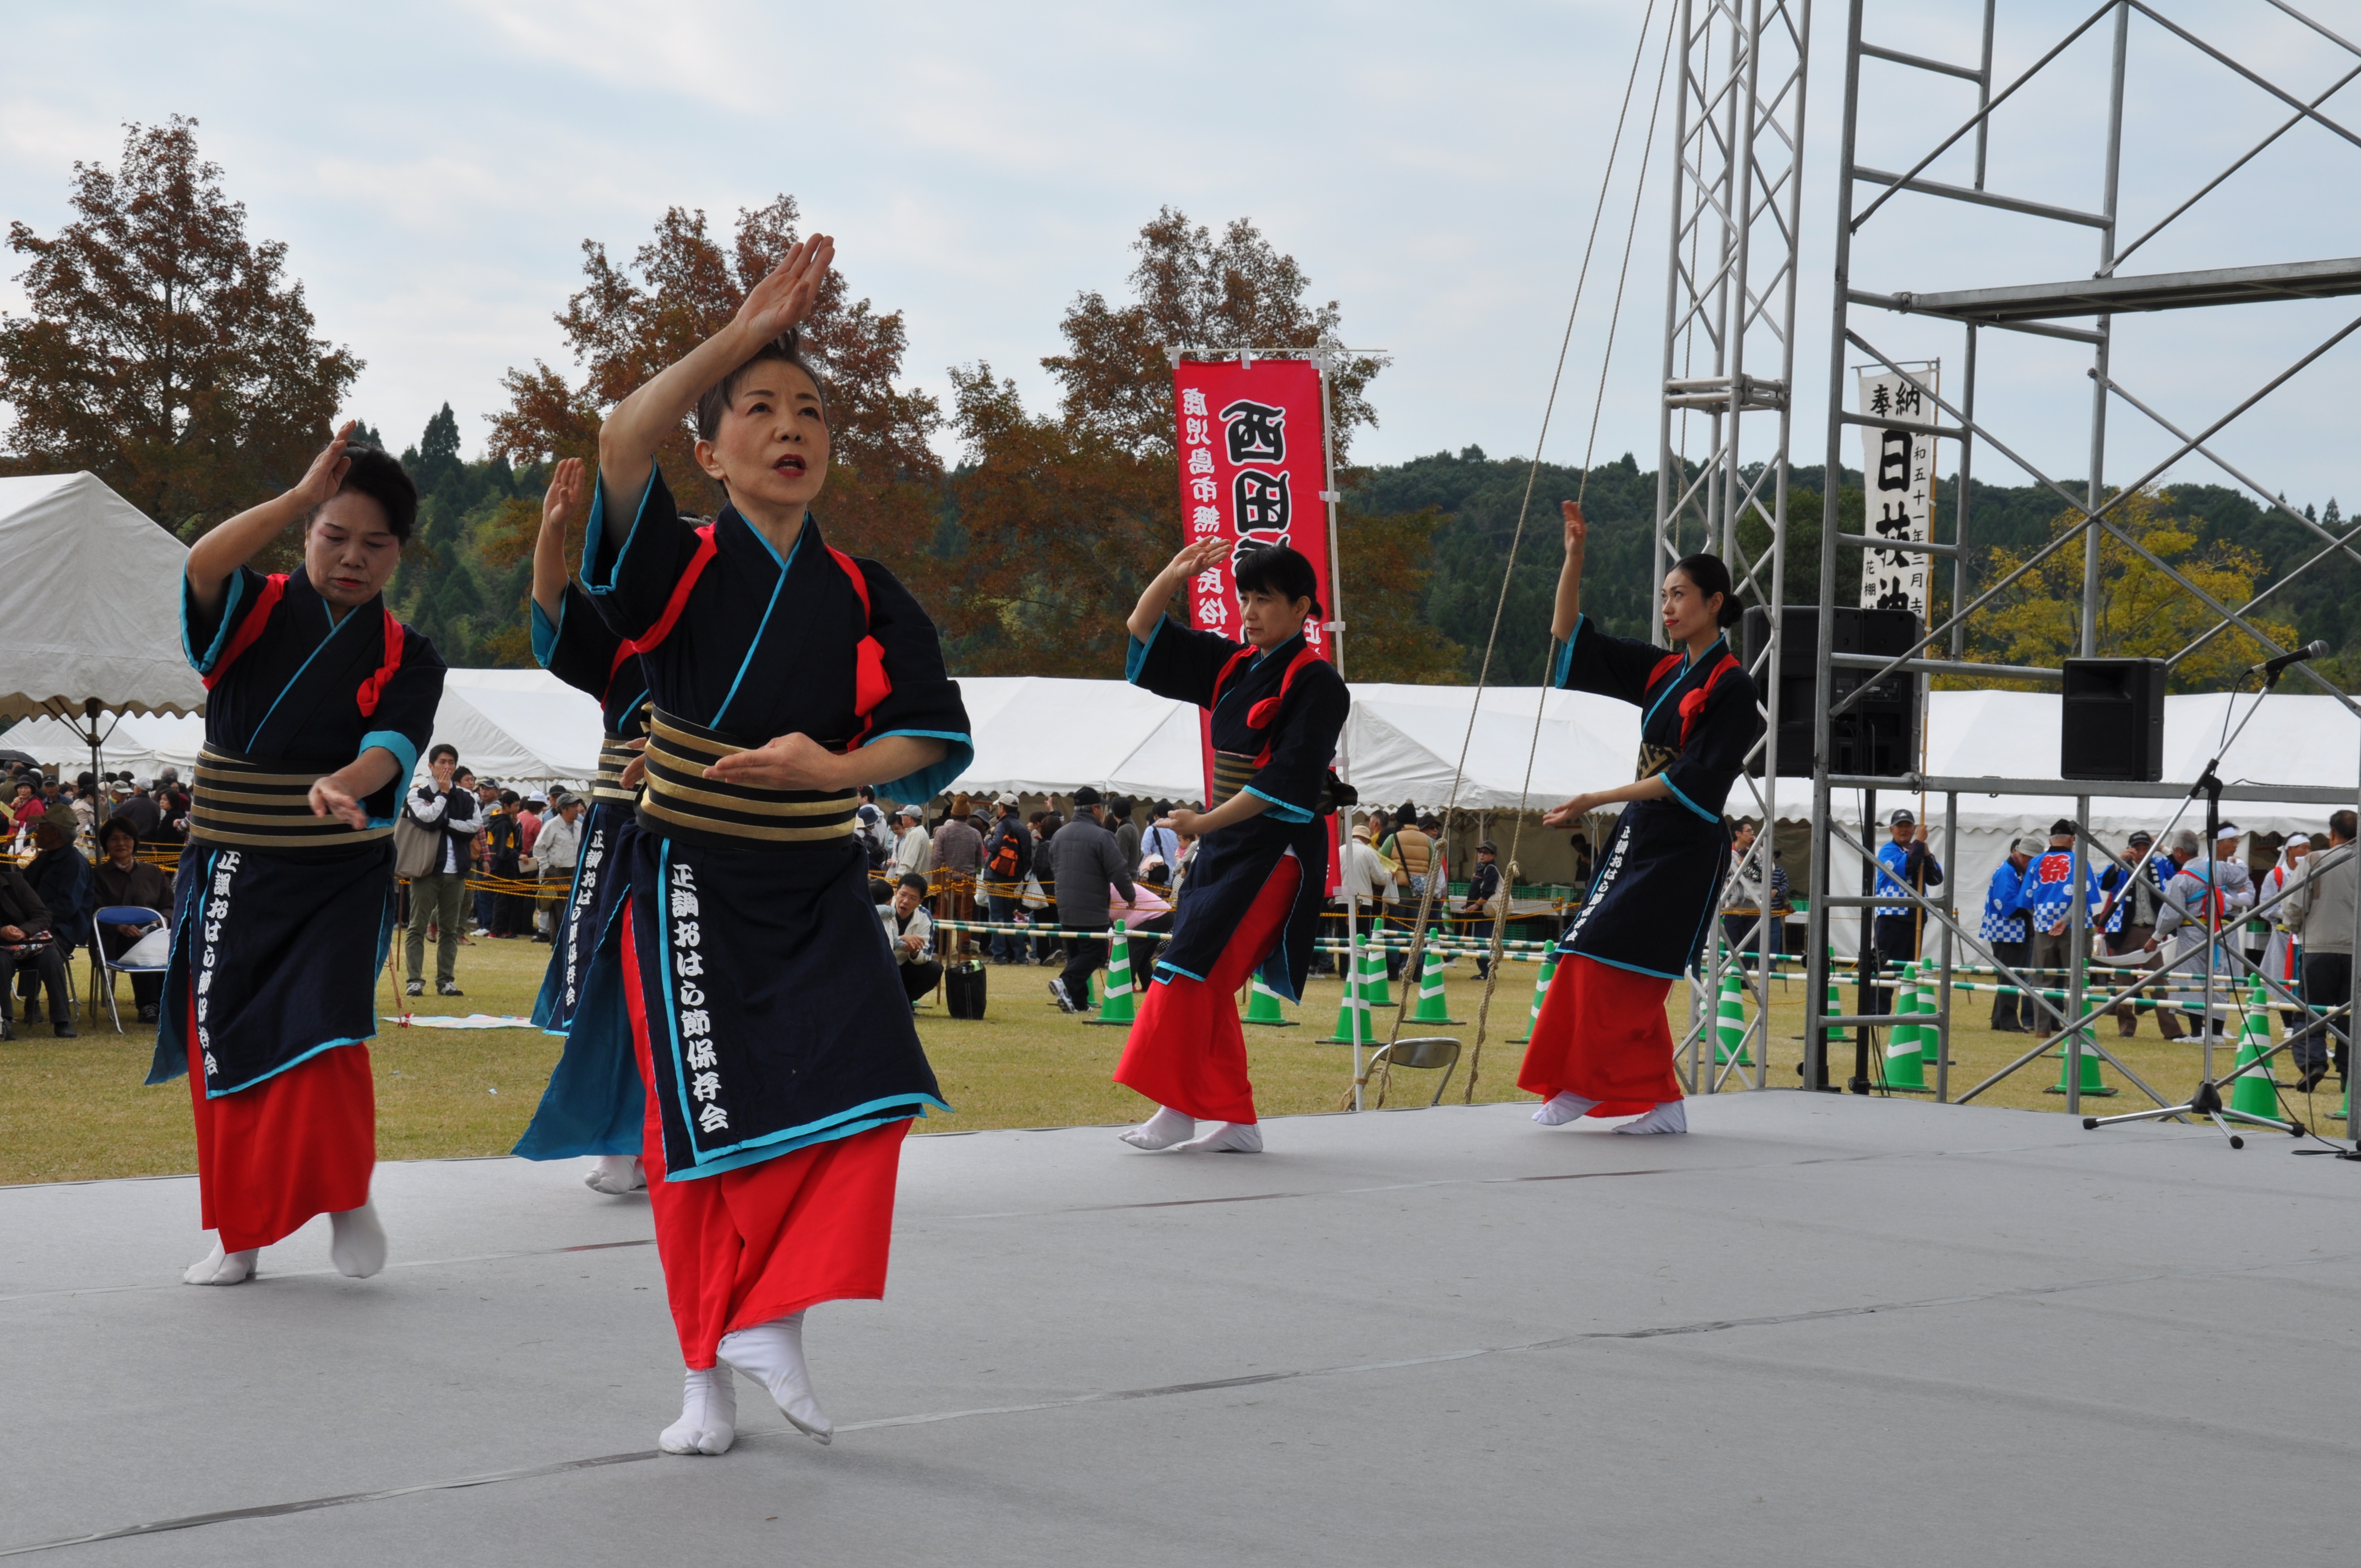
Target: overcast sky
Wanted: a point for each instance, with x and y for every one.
(434, 170)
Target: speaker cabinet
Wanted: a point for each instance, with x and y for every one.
(2112, 720)
(1877, 735)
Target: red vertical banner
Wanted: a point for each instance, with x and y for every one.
(1253, 471)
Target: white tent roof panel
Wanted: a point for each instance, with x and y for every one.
(90, 596)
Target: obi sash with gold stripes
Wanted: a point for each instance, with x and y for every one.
(679, 797)
(1233, 771)
(264, 803)
(614, 755)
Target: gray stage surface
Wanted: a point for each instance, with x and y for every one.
(1818, 1331)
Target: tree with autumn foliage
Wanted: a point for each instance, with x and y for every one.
(626, 322)
(1063, 517)
(165, 352)
(2143, 613)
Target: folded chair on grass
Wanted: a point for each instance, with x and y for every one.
(1425, 1051)
(103, 970)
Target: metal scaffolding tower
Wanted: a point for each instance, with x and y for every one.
(1728, 363)
(1883, 163)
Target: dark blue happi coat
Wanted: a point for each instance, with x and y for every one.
(1284, 711)
(275, 952)
(774, 1014)
(1657, 887)
(594, 1104)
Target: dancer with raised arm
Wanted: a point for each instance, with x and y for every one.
(594, 1104)
(1601, 1045)
(778, 1052)
(318, 704)
(1253, 898)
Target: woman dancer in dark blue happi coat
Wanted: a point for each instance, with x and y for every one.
(1253, 899)
(594, 1104)
(318, 705)
(771, 1030)
(1601, 1045)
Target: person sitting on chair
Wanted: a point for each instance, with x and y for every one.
(60, 877)
(25, 940)
(909, 932)
(125, 881)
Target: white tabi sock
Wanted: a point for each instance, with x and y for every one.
(221, 1266)
(773, 1355)
(617, 1174)
(708, 1414)
(1228, 1137)
(356, 1242)
(1671, 1116)
(1567, 1106)
(1162, 1130)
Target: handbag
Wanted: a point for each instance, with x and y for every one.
(1035, 896)
(416, 847)
(963, 987)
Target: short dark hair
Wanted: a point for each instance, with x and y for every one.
(2341, 824)
(378, 475)
(1279, 569)
(1711, 575)
(787, 349)
(912, 879)
(440, 750)
(118, 825)
(867, 792)
(459, 774)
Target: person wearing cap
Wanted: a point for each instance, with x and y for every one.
(1007, 862)
(2207, 896)
(1275, 710)
(2048, 901)
(958, 860)
(1084, 857)
(1483, 902)
(2006, 929)
(2128, 917)
(556, 852)
(1904, 860)
(914, 852)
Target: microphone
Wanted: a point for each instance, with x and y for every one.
(2273, 668)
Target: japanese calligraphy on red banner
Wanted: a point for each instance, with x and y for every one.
(1253, 467)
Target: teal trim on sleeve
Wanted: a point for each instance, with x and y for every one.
(405, 750)
(545, 632)
(1280, 809)
(204, 666)
(1693, 806)
(930, 782)
(1564, 670)
(594, 534)
(1137, 655)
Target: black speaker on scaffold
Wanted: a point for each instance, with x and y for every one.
(1878, 734)
(2112, 720)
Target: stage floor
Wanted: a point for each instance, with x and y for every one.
(1818, 1331)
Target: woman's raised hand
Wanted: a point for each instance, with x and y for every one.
(1576, 530)
(326, 474)
(1197, 557)
(564, 493)
(781, 301)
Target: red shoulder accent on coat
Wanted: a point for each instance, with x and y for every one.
(871, 684)
(256, 621)
(647, 640)
(374, 687)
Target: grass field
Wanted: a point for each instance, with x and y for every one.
(76, 1110)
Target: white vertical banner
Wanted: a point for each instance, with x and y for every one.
(1897, 471)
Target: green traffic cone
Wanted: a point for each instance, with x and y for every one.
(2252, 1090)
(2092, 1085)
(1541, 989)
(1730, 1021)
(1380, 994)
(1353, 1026)
(1433, 1007)
(1262, 1005)
(1904, 1065)
(1117, 1008)
(1835, 1003)
(1930, 1038)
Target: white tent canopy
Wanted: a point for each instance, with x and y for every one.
(90, 591)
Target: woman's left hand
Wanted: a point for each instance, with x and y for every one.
(1572, 811)
(331, 799)
(791, 761)
(1182, 820)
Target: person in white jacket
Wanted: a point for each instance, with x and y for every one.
(914, 852)
(554, 850)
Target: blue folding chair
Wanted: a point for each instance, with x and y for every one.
(103, 969)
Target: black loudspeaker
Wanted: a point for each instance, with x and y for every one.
(1878, 734)
(2112, 722)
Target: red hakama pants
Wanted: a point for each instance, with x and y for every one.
(1187, 1049)
(1602, 1034)
(299, 1143)
(763, 1241)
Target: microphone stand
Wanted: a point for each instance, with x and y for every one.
(2207, 1100)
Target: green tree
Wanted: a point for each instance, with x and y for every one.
(165, 352)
